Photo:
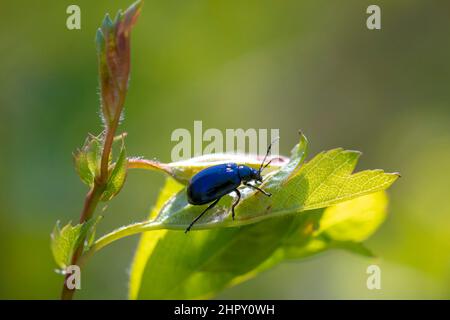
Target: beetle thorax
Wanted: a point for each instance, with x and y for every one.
(248, 174)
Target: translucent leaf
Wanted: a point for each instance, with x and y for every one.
(340, 223)
(203, 263)
(171, 264)
(149, 239)
(117, 177)
(64, 240)
(82, 167)
(322, 182)
(87, 160)
(183, 171)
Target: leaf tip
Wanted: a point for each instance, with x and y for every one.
(100, 40)
(107, 24)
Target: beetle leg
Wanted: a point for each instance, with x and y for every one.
(201, 214)
(236, 202)
(259, 189)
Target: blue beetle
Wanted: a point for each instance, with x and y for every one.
(211, 184)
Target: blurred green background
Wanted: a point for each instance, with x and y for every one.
(310, 65)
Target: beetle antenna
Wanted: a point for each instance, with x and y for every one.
(262, 167)
(267, 164)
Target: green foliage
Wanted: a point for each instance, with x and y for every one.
(149, 240)
(65, 240)
(87, 160)
(87, 164)
(117, 177)
(183, 171)
(322, 182)
(315, 206)
(171, 264)
(340, 222)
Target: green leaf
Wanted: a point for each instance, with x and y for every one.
(160, 238)
(342, 226)
(203, 263)
(66, 239)
(117, 177)
(354, 247)
(94, 154)
(340, 223)
(149, 240)
(198, 265)
(82, 167)
(87, 160)
(322, 182)
(183, 171)
(171, 264)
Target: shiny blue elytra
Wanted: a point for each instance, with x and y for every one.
(211, 184)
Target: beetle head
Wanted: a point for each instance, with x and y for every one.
(249, 174)
(256, 175)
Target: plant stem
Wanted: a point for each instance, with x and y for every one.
(90, 203)
(113, 50)
(107, 145)
(138, 163)
(93, 196)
